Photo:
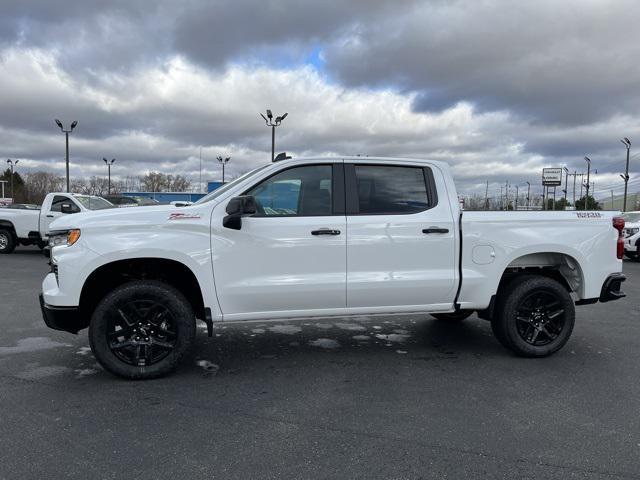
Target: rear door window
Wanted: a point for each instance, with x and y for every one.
(391, 190)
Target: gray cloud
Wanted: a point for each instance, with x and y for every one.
(553, 62)
(499, 89)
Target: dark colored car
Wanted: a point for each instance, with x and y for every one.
(124, 201)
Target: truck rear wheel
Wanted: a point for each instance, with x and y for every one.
(7, 241)
(535, 316)
(142, 330)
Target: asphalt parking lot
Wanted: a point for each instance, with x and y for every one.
(396, 397)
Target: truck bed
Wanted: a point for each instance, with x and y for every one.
(493, 242)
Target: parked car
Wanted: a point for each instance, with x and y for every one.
(22, 206)
(632, 235)
(121, 200)
(324, 237)
(31, 226)
(145, 201)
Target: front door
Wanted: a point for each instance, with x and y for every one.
(55, 212)
(401, 239)
(289, 259)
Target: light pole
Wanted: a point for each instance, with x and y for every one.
(586, 199)
(12, 163)
(223, 161)
(273, 124)
(109, 163)
(627, 144)
(566, 185)
(66, 133)
(528, 195)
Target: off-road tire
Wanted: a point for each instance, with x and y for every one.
(158, 293)
(512, 331)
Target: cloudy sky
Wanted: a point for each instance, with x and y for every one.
(498, 89)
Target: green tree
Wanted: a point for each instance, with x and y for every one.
(18, 185)
(592, 204)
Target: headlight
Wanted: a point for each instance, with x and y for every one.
(65, 237)
(632, 231)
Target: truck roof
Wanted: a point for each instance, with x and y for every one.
(364, 158)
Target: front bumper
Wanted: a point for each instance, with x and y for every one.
(611, 288)
(67, 319)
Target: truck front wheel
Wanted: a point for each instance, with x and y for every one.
(7, 241)
(535, 316)
(142, 330)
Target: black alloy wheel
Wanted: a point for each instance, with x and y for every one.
(534, 315)
(141, 332)
(142, 329)
(540, 317)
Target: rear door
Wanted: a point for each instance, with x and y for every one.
(289, 258)
(400, 238)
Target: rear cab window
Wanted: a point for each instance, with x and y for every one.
(389, 189)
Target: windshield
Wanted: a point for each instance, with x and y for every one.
(220, 190)
(94, 203)
(632, 217)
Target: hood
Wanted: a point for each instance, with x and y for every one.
(631, 224)
(122, 216)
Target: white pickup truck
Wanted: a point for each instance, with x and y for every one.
(324, 237)
(30, 227)
(632, 235)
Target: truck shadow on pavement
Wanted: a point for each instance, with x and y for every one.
(239, 346)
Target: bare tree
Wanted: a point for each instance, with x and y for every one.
(158, 182)
(178, 183)
(153, 182)
(38, 184)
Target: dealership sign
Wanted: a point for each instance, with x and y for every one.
(552, 177)
(6, 201)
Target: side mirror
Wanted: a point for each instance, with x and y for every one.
(237, 208)
(67, 208)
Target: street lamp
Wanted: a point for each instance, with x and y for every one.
(223, 161)
(625, 177)
(566, 185)
(109, 163)
(12, 163)
(528, 195)
(273, 124)
(586, 199)
(66, 133)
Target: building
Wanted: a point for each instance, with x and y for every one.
(167, 197)
(617, 201)
(211, 186)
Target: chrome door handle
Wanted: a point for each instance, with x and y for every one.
(435, 230)
(325, 231)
